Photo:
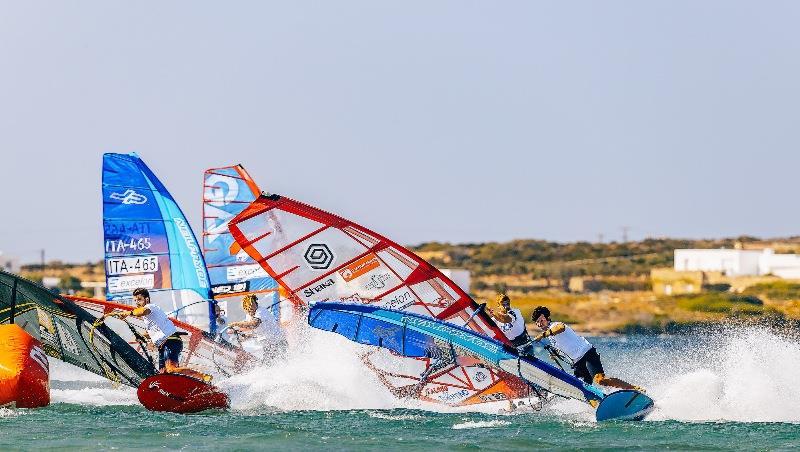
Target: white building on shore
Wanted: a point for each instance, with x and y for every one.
(459, 276)
(736, 262)
(9, 263)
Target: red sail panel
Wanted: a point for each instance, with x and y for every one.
(317, 256)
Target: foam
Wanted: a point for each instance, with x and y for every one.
(322, 371)
(744, 375)
(480, 424)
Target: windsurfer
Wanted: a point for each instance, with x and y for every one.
(261, 326)
(586, 362)
(161, 332)
(512, 324)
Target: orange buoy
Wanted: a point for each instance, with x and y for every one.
(24, 370)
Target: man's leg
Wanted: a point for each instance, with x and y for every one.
(612, 382)
(172, 349)
(595, 368)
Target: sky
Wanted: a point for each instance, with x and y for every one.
(456, 121)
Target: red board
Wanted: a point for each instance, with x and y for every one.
(178, 393)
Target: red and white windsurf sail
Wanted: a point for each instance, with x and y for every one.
(318, 256)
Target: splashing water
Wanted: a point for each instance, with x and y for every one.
(321, 372)
(724, 375)
(730, 375)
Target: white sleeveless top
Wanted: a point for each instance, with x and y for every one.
(517, 325)
(569, 342)
(268, 330)
(159, 326)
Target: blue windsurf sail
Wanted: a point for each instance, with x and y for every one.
(227, 192)
(150, 244)
(414, 335)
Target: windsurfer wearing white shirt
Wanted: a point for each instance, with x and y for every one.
(163, 333)
(512, 323)
(586, 362)
(262, 326)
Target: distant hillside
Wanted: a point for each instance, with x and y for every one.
(543, 259)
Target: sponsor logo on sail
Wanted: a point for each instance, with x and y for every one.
(319, 256)
(129, 197)
(377, 281)
(435, 390)
(493, 397)
(311, 291)
(38, 356)
(454, 396)
(194, 251)
(221, 289)
(360, 267)
(400, 301)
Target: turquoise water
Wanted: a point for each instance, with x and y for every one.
(727, 390)
(73, 426)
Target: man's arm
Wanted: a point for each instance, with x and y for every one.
(552, 331)
(136, 312)
(501, 316)
(246, 324)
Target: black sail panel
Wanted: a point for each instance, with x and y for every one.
(66, 332)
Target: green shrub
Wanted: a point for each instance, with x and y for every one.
(778, 290)
(721, 303)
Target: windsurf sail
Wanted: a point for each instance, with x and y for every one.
(201, 350)
(413, 335)
(318, 256)
(150, 244)
(67, 333)
(227, 192)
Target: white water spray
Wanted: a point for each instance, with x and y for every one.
(746, 375)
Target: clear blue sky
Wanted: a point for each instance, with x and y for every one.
(458, 121)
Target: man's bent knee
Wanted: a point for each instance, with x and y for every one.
(599, 378)
(169, 367)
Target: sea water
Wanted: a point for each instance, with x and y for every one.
(727, 388)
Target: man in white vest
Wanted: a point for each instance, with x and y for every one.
(512, 324)
(161, 332)
(261, 326)
(586, 362)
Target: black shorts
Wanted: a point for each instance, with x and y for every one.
(521, 340)
(588, 366)
(170, 350)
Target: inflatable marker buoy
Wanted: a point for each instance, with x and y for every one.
(24, 370)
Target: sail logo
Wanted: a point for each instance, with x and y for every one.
(311, 291)
(377, 282)
(319, 256)
(360, 267)
(455, 333)
(38, 356)
(129, 197)
(194, 251)
(220, 190)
